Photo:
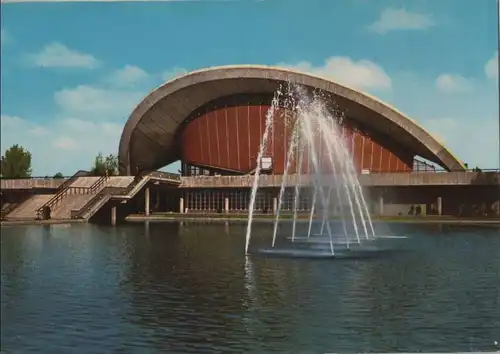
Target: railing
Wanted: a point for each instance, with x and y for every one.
(31, 183)
(63, 190)
(104, 193)
(68, 190)
(80, 173)
(165, 175)
(97, 184)
(366, 180)
(38, 177)
(415, 171)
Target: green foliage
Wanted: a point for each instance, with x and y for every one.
(105, 165)
(58, 175)
(16, 163)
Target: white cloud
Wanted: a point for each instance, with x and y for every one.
(172, 74)
(90, 119)
(469, 117)
(57, 55)
(451, 83)
(95, 103)
(128, 76)
(392, 19)
(491, 67)
(466, 122)
(473, 142)
(361, 74)
(64, 145)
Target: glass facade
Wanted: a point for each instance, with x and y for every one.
(193, 171)
(213, 200)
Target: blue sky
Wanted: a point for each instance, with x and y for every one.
(72, 72)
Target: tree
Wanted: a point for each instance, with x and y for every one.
(16, 163)
(58, 175)
(105, 165)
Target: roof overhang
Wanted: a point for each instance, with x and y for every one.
(148, 139)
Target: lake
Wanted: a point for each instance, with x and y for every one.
(188, 288)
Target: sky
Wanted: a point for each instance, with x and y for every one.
(71, 73)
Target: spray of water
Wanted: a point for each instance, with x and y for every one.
(289, 160)
(311, 215)
(308, 132)
(297, 188)
(263, 145)
(314, 124)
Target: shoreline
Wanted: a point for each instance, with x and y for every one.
(40, 222)
(169, 217)
(137, 218)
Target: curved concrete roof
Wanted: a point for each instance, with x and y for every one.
(148, 139)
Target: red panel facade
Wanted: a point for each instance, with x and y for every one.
(229, 138)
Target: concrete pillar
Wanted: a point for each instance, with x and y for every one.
(181, 205)
(275, 205)
(146, 201)
(380, 205)
(157, 201)
(439, 204)
(113, 215)
(226, 205)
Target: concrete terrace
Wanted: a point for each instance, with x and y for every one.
(80, 198)
(371, 180)
(75, 194)
(32, 183)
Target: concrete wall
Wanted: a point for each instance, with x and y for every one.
(226, 134)
(372, 180)
(31, 183)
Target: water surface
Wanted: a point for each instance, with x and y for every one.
(163, 287)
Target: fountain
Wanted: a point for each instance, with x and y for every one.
(316, 134)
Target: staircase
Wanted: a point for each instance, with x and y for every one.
(70, 202)
(7, 208)
(121, 193)
(28, 209)
(67, 190)
(98, 201)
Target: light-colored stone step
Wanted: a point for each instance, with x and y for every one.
(27, 210)
(85, 182)
(119, 181)
(70, 202)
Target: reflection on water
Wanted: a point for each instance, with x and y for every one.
(166, 287)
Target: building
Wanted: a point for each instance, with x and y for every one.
(212, 120)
